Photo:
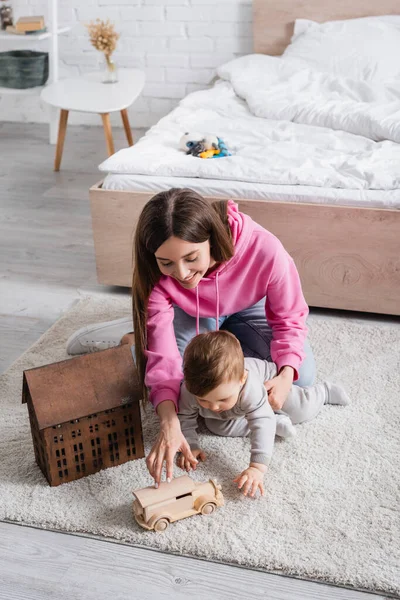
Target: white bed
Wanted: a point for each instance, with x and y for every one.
(258, 191)
(323, 175)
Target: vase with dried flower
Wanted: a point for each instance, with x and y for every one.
(104, 38)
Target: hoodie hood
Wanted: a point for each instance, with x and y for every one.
(236, 221)
(241, 228)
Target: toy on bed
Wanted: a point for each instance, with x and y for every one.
(203, 146)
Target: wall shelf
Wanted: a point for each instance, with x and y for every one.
(25, 40)
(32, 37)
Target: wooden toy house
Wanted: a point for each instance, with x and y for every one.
(84, 414)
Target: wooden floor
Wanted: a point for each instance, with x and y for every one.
(37, 565)
(46, 246)
(46, 263)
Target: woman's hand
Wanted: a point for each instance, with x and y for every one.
(251, 480)
(278, 387)
(170, 440)
(183, 463)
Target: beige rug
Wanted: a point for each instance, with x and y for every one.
(331, 510)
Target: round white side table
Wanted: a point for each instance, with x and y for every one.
(89, 94)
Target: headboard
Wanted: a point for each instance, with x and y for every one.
(273, 19)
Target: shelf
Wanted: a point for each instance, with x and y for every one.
(15, 92)
(32, 37)
(11, 41)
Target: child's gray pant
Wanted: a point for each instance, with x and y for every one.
(302, 404)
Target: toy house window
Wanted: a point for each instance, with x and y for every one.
(80, 466)
(113, 445)
(130, 441)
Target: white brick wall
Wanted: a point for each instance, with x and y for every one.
(178, 43)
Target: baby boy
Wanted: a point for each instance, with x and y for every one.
(228, 391)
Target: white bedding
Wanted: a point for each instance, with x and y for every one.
(256, 191)
(286, 125)
(366, 48)
(287, 90)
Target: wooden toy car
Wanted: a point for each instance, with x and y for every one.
(157, 508)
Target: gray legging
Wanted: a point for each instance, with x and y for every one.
(252, 330)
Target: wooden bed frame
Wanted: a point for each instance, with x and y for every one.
(348, 257)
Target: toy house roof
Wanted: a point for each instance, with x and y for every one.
(81, 386)
(166, 491)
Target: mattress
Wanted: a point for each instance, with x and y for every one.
(389, 199)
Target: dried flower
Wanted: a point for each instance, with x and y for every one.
(103, 36)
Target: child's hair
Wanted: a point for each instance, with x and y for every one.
(186, 215)
(211, 359)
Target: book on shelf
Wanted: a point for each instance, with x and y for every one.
(11, 29)
(25, 24)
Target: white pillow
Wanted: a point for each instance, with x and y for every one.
(367, 48)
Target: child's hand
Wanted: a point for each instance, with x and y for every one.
(251, 480)
(184, 464)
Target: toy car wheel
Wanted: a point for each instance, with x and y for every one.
(161, 525)
(208, 508)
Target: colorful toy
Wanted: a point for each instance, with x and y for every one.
(203, 146)
(223, 150)
(157, 508)
(209, 153)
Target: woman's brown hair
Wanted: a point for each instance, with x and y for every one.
(186, 215)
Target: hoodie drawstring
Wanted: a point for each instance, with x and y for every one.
(217, 295)
(198, 306)
(197, 311)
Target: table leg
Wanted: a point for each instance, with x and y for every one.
(127, 127)
(62, 128)
(108, 133)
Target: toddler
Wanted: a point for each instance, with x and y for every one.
(228, 391)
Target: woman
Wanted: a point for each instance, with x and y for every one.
(200, 267)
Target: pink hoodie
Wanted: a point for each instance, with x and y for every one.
(260, 267)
